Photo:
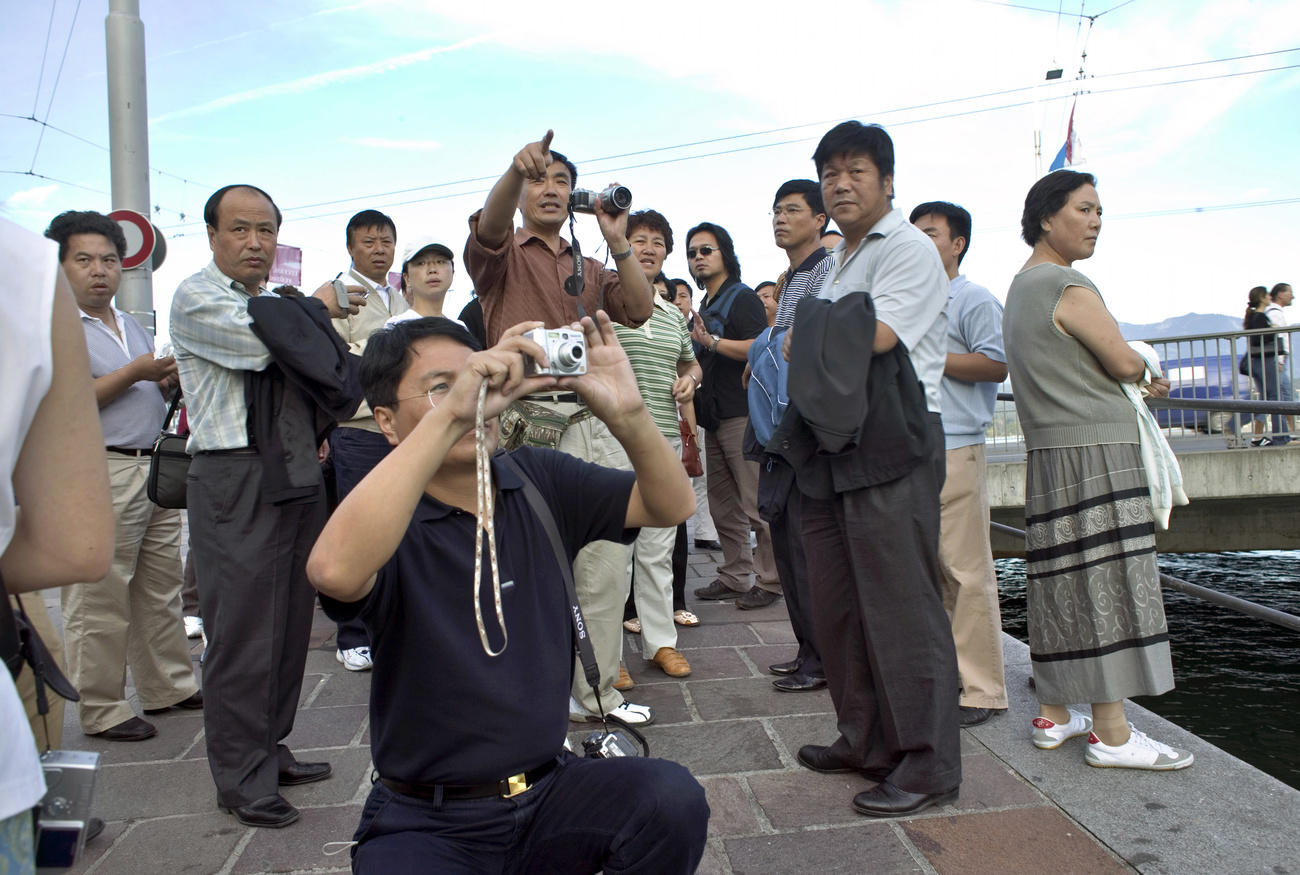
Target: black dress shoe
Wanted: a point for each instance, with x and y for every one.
(799, 683)
(757, 597)
(272, 811)
(819, 758)
(707, 545)
(716, 592)
(304, 773)
(192, 703)
(132, 729)
(969, 717)
(786, 667)
(886, 800)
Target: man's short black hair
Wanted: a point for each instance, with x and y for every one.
(1046, 197)
(764, 284)
(681, 282)
(854, 138)
(730, 263)
(812, 196)
(655, 221)
(1272, 293)
(213, 206)
(573, 168)
(64, 225)
(369, 219)
(958, 220)
(388, 354)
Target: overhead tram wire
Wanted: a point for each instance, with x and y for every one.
(778, 130)
(55, 179)
(55, 89)
(721, 152)
(40, 77)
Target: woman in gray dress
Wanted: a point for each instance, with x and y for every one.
(1097, 629)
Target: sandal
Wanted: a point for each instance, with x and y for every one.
(633, 625)
(682, 618)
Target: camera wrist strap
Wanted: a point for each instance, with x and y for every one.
(586, 655)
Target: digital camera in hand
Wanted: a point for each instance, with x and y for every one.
(566, 350)
(614, 199)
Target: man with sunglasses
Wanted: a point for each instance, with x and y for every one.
(728, 321)
(519, 276)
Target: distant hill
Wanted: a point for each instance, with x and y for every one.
(1179, 326)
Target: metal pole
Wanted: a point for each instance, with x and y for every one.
(128, 140)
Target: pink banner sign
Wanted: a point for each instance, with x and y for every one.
(287, 267)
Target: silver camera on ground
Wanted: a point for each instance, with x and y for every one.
(614, 199)
(566, 350)
(604, 744)
(63, 812)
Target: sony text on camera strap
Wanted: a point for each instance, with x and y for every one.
(574, 284)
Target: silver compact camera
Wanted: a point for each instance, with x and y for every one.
(614, 199)
(566, 350)
(63, 812)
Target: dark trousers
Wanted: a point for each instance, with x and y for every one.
(250, 559)
(354, 452)
(623, 814)
(786, 525)
(873, 568)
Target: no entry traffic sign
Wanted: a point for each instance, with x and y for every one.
(140, 237)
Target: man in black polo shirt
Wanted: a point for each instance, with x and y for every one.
(469, 707)
(729, 320)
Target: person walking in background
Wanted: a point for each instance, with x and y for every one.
(1265, 354)
(1096, 617)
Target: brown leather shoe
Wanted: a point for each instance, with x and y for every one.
(624, 681)
(672, 662)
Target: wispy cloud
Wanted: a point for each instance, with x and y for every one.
(320, 80)
(401, 145)
(31, 197)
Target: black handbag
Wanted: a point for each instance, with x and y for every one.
(169, 465)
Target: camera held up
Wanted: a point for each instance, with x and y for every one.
(566, 350)
(614, 199)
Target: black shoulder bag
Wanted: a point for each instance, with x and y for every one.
(169, 465)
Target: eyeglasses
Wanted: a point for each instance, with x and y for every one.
(706, 251)
(434, 393)
(787, 211)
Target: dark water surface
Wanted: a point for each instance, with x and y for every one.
(1237, 679)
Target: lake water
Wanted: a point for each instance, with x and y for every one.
(1237, 679)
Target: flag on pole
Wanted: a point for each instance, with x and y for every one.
(1069, 153)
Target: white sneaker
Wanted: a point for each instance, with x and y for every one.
(1141, 751)
(193, 627)
(354, 659)
(633, 715)
(1049, 735)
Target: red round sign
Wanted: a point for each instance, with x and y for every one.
(140, 236)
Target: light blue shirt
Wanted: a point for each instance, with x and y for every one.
(214, 347)
(974, 325)
(897, 264)
(132, 419)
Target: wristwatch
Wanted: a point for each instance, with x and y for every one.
(716, 341)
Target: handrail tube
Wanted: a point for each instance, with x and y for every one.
(1223, 600)
(1285, 408)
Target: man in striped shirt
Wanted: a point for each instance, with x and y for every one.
(666, 372)
(798, 222)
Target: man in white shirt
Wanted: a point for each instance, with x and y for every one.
(1280, 296)
(131, 617)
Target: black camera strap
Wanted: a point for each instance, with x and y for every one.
(11, 649)
(586, 655)
(575, 284)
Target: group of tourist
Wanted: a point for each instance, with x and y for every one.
(506, 524)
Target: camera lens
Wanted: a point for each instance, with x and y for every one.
(568, 356)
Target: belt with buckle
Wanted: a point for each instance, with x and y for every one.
(128, 451)
(555, 398)
(505, 788)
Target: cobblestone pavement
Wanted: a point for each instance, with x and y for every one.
(1020, 809)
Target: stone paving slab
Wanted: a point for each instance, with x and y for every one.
(1020, 809)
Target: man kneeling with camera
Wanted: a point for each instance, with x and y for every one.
(471, 627)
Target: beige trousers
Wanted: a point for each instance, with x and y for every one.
(600, 573)
(133, 616)
(733, 501)
(970, 583)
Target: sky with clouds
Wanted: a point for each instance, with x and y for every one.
(1188, 117)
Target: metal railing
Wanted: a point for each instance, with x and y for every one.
(1217, 388)
(1213, 596)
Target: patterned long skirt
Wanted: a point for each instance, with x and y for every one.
(1097, 628)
